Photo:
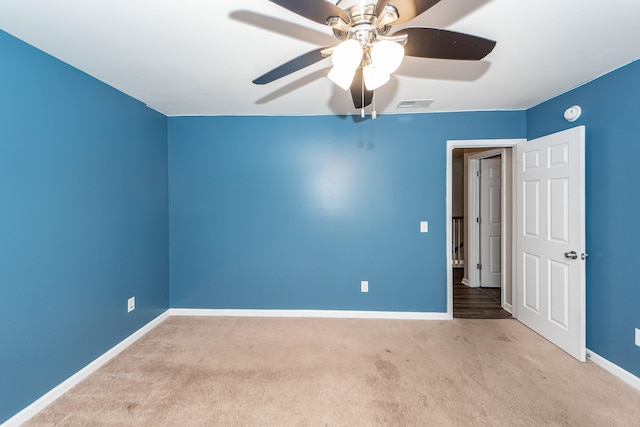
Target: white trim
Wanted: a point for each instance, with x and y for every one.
(48, 398)
(614, 369)
(484, 143)
(472, 253)
(336, 314)
(507, 213)
(449, 231)
(472, 247)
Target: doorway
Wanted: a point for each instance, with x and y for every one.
(464, 279)
(477, 207)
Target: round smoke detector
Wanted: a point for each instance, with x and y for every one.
(571, 114)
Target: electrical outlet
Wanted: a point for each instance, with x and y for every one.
(364, 286)
(131, 304)
(638, 337)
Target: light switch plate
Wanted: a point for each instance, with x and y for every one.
(364, 286)
(638, 337)
(424, 226)
(131, 304)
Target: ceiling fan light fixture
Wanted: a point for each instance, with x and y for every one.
(374, 77)
(369, 51)
(387, 55)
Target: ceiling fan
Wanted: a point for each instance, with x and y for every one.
(368, 53)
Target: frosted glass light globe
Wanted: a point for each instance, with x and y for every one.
(374, 77)
(342, 77)
(346, 59)
(387, 55)
(347, 55)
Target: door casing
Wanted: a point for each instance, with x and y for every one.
(473, 210)
(507, 174)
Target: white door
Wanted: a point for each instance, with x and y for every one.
(550, 238)
(490, 224)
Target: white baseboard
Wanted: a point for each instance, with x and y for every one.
(31, 410)
(336, 314)
(467, 283)
(616, 370)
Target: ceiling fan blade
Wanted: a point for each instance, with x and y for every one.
(443, 44)
(380, 6)
(316, 10)
(356, 91)
(292, 66)
(281, 26)
(407, 9)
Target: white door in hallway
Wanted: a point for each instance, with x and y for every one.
(550, 238)
(490, 222)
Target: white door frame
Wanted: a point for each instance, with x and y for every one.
(480, 143)
(472, 252)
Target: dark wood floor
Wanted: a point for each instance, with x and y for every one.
(476, 303)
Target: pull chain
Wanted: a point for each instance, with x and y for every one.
(373, 113)
(362, 96)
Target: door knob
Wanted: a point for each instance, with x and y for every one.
(572, 255)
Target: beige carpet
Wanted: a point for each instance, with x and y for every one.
(198, 371)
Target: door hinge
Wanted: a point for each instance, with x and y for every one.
(478, 173)
(478, 220)
(479, 266)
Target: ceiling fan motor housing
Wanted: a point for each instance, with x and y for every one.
(363, 21)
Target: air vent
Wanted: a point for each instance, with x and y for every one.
(418, 103)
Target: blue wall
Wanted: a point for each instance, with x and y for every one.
(611, 114)
(83, 220)
(293, 212)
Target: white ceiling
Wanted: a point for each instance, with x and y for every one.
(197, 57)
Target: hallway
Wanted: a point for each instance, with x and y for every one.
(476, 303)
